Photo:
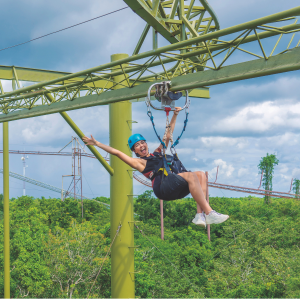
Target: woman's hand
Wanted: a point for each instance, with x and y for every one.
(135, 163)
(89, 141)
(177, 110)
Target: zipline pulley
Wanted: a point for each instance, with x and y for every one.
(168, 163)
(167, 100)
(165, 97)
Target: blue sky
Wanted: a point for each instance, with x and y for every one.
(239, 124)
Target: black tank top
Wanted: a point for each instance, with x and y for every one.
(152, 162)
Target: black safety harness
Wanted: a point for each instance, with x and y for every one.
(168, 163)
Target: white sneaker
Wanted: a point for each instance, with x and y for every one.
(199, 220)
(215, 218)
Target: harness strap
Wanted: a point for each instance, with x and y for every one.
(149, 113)
(164, 167)
(184, 127)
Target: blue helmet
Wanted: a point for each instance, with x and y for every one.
(135, 138)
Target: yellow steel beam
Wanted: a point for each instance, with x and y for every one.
(6, 211)
(39, 75)
(200, 93)
(29, 74)
(286, 62)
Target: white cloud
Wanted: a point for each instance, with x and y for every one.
(243, 172)
(218, 142)
(262, 117)
(188, 151)
(224, 168)
(280, 88)
(296, 173)
(286, 139)
(283, 168)
(285, 177)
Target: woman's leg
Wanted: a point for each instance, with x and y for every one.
(202, 179)
(199, 210)
(196, 189)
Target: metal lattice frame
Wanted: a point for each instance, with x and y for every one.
(206, 50)
(197, 44)
(174, 20)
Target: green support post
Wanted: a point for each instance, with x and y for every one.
(121, 199)
(6, 211)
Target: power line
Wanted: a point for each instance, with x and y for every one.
(64, 29)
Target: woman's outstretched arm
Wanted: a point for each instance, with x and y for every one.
(133, 162)
(174, 119)
(166, 137)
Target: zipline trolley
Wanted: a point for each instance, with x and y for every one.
(170, 163)
(166, 97)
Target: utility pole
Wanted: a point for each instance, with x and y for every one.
(23, 158)
(76, 171)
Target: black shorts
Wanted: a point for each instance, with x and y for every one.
(171, 187)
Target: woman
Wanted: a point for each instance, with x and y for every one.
(173, 186)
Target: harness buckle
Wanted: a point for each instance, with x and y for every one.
(167, 110)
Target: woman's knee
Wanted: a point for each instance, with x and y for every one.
(201, 175)
(190, 176)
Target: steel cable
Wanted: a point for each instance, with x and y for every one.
(37, 38)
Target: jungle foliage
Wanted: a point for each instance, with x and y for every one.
(296, 187)
(57, 254)
(266, 166)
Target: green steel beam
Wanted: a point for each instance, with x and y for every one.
(6, 211)
(1, 88)
(81, 135)
(121, 198)
(280, 63)
(73, 126)
(200, 93)
(209, 36)
(211, 12)
(202, 50)
(100, 158)
(39, 75)
(141, 40)
(141, 8)
(30, 74)
(162, 24)
(6, 207)
(223, 45)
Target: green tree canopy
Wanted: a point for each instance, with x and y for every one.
(75, 256)
(296, 187)
(57, 254)
(266, 165)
